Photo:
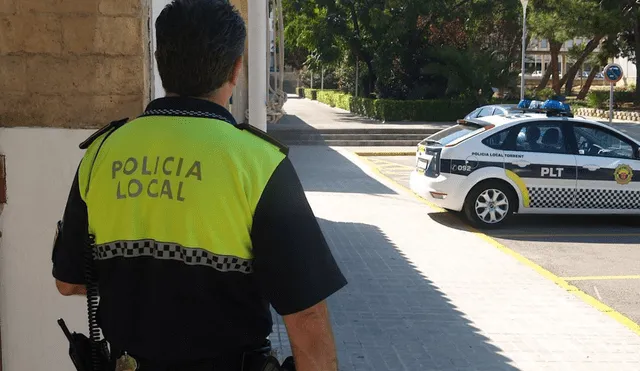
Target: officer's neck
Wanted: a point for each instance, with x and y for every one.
(217, 98)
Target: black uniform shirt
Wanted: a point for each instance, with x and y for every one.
(195, 311)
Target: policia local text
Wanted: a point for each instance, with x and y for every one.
(146, 181)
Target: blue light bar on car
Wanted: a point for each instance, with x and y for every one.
(549, 104)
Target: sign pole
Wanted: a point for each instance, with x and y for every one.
(612, 74)
(611, 104)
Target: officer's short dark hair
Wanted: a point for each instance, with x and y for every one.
(198, 43)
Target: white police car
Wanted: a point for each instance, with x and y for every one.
(541, 160)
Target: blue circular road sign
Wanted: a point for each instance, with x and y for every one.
(613, 73)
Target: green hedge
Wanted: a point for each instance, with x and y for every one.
(599, 98)
(311, 94)
(396, 110)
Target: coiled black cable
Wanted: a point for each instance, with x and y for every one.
(99, 350)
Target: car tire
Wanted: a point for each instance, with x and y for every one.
(490, 204)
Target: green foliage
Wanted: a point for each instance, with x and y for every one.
(335, 98)
(311, 94)
(595, 100)
(397, 110)
(395, 39)
(600, 99)
(365, 107)
(542, 94)
(578, 104)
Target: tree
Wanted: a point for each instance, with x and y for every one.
(395, 39)
(561, 20)
(598, 60)
(599, 19)
(629, 41)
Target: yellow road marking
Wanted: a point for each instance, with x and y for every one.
(599, 278)
(383, 154)
(595, 303)
(566, 235)
(520, 183)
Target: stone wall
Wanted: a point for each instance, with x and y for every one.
(72, 63)
(604, 114)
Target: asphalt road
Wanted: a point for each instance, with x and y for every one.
(598, 254)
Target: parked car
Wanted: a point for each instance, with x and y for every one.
(538, 161)
(491, 110)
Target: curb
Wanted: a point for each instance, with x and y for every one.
(384, 154)
(562, 283)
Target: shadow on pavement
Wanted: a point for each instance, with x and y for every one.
(392, 317)
(323, 169)
(591, 229)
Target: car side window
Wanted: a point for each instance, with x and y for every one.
(544, 137)
(487, 111)
(595, 141)
(496, 141)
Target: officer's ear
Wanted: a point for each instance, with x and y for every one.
(235, 74)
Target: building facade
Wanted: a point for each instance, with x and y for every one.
(538, 61)
(67, 67)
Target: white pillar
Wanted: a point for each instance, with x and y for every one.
(257, 34)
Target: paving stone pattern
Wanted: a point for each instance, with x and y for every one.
(424, 296)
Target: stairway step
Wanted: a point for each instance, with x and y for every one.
(356, 143)
(415, 137)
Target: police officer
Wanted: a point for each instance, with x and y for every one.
(200, 224)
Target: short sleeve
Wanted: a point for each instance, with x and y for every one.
(69, 247)
(293, 263)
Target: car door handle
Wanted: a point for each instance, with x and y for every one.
(591, 167)
(521, 163)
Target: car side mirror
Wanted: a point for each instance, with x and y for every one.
(638, 154)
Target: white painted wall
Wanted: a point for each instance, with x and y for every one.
(630, 71)
(156, 8)
(41, 164)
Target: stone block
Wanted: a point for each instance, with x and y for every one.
(13, 74)
(11, 35)
(119, 7)
(8, 6)
(115, 107)
(120, 75)
(79, 34)
(119, 36)
(42, 34)
(17, 110)
(52, 75)
(66, 111)
(59, 6)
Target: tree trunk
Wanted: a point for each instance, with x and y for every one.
(570, 74)
(636, 98)
(587, 85)
(371, 79)
(568, 89)
(554, 48)
(545, 79)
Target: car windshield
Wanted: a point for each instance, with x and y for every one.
(453, 133)
(593, 141)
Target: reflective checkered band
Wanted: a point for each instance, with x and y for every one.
(172, 251)
(175, 112)
(551, 197)
(607, 199)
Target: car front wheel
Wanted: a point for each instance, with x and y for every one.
(489, 204)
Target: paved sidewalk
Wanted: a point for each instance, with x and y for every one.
(305, 114)
(422, 296)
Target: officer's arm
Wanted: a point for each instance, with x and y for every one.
(69, 245)
(69, 289)
(296, 269)
(311, 339)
